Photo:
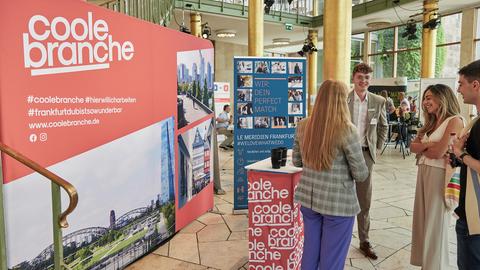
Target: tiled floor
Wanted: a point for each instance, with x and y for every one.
(218, 240)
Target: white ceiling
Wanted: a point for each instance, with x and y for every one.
(277, 30)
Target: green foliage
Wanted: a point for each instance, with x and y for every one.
(168, 211)
(408, 63)
(109, 237)
(385, 43)
(194, 89)
(198, 94)
(83, 254)
(205, 93)
(356, 48)
(183, 88)
(441, 52)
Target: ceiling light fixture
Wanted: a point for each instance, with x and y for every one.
(184, 29)
(308, 47)
(281, 41)
(433, 23)
(268, 5)
(226, 33)
(379, 23)
(410, 30)
(206, 30)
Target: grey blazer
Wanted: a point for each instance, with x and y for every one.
(376, 120)
(331, 192)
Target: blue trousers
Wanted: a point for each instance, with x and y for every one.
(326, 240)
(468, 247)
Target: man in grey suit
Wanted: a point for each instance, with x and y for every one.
(368, 113)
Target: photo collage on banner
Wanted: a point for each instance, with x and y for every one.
(195, 107)
(118, 141)
(269, 102)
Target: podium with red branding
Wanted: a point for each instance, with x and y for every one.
(275, 231)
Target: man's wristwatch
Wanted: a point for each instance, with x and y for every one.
(462, 156)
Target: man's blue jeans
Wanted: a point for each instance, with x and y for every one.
(468, 247)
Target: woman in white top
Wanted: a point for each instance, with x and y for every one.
(430, 216)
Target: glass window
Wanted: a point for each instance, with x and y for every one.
(354, 62)
(357, 45)
(478, 23)
(447, 61)
(382, 65)
(409, 64)
(477, 51)
(382, 40)
(450, 29)
(410, 37)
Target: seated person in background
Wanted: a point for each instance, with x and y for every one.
(389, 106)
(413, 107)
(223, 121)
(404, 104)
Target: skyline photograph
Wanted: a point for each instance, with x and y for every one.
(131, 175)
(195, 86)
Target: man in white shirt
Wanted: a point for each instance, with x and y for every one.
(223, 121)
(368, 114)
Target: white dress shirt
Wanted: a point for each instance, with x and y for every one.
(224, 116)
(360, 109)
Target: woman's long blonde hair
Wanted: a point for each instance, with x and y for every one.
(448, 106)
(327, 126)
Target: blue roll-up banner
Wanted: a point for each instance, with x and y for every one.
(269, 101)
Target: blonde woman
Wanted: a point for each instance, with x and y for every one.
(328, 148)
(430, 216)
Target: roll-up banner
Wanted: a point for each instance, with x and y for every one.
(269, 101)
(119, 107)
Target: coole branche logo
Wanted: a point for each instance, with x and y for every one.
(62, 46)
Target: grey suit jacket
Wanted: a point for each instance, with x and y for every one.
(331, 192)
(376, 120)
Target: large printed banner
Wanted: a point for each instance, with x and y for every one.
(92, 95)
(269, 101)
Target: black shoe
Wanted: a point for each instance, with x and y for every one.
(367, 250)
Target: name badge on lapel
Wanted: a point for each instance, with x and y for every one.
(373, 121)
